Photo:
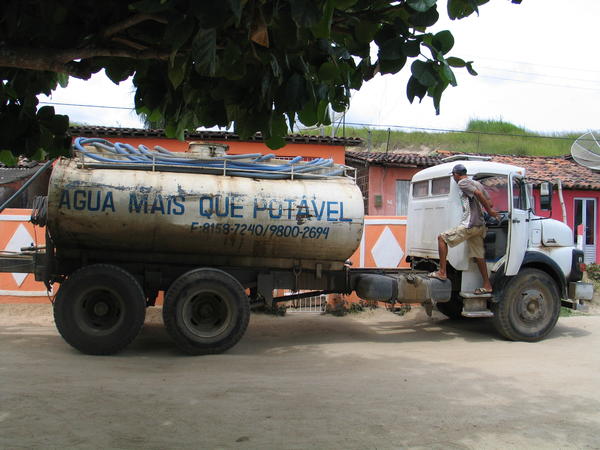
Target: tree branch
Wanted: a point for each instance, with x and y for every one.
(131, 21)
(64, 61)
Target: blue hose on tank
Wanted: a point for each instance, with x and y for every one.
(233, 165)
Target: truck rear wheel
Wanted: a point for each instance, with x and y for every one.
(100, 309)
(529, 307)
(206, 311)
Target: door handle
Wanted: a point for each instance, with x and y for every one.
(516, 221)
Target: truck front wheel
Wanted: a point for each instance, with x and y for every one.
(206, 311)
(100, 309)
(529, 307)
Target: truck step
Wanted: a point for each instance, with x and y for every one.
(475, 305)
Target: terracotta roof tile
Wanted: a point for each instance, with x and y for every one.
(550, 168)
(98, 131)
(392, 159)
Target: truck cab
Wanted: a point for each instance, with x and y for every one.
(533, 265)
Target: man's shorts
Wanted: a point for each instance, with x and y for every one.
(474, 237)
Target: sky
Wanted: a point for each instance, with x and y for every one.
(538, 66)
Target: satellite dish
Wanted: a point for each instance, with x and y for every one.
(586, 151)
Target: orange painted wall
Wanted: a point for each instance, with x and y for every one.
(382, 181)
(382, 245)
(20, 288)
(336, 152)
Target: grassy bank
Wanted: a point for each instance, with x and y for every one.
(480, 136)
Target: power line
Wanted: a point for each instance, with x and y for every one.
(537, 74)
(577, 69)
(540, 83)
(490, 133)
(87, 106)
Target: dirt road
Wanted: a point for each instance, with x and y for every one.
(373, 381)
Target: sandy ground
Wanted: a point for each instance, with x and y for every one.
(368, 381)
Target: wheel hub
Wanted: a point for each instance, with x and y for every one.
(532, 305)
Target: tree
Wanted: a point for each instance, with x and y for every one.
(261, 64)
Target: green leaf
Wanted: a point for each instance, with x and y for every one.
(236, 7)
(305, 13)
(178, 32)
(40, 155)
(308, 115)
(63, 79)
(412, 48)
(459, 9)
(344, 4)
(365, 31)
(421, 5)
(425, 19)
(392, 49)
(323, 115)
(436, 93)
(443, 41)
(391, 65)
(448, 75)
(177, 72)
(415, 89)
(424, 73)
(323, 28)
(328, 72)
(118, 69)
(455, 62)
(7, 158)
(59, 124)
(470, 69)
(275, 142)
(45, 113)
(204, 51)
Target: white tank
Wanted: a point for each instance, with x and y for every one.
(249, 221)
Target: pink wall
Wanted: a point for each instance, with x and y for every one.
(382, 181)
(569, 196)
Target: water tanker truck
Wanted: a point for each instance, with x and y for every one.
(219, 234)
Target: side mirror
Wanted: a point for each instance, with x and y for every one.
(546, 196)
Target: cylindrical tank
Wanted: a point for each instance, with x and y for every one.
(147, 212)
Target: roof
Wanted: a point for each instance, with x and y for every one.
(543, 168)
(392, 159)
(473, 167)
(98, 131)
(552, 168)
(11, 174)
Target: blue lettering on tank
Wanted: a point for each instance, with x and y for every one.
(158, 205)
(65, 199)
(79, 200)
(206, 206)
(278, 209)
(90, 201)
(332, 212)
(223, 204)
(342, 218)
(108, 202)
(138, 206)
(258, 208)
(179, 205)
(318, 213)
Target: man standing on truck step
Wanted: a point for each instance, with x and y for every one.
(472, 229)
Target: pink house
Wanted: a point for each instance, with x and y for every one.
(384, 180)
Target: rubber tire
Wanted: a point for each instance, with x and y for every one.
(89, 286)
(190, 301)
(452, 308)
(523, 289)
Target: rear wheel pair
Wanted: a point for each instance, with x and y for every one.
(101, 308)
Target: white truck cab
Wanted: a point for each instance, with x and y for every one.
(532, 261)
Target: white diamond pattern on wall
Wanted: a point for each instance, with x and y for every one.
(21, 238)
(387, 251)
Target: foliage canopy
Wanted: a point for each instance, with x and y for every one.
(261, 64)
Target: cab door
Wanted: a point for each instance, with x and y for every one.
(518, 225)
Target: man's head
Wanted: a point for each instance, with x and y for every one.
(459, 171)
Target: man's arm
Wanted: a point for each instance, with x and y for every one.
(486, 202)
